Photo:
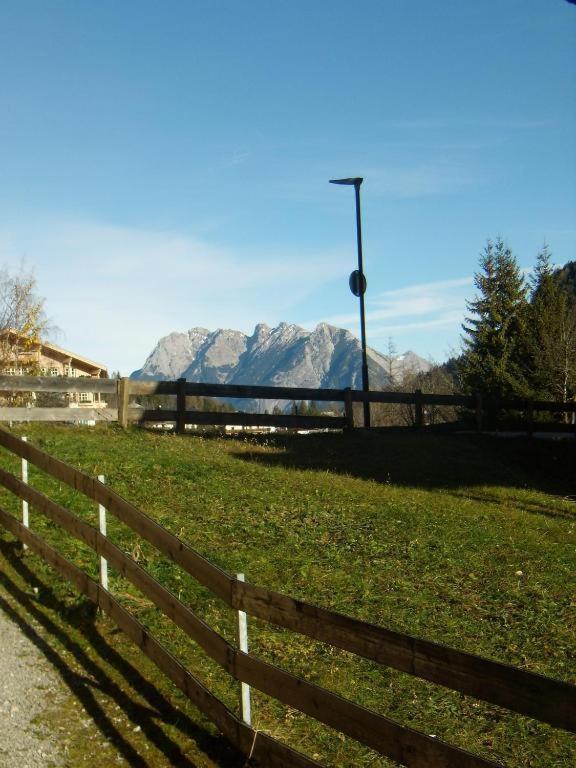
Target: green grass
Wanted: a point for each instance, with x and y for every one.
(424, 534)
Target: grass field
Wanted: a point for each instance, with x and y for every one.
(463, 540)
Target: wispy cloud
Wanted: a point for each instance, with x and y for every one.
(239, 157)
(412, 311)
(422, 180)
(115, 290)
(422, 299)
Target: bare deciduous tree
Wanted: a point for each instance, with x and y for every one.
(23, 322)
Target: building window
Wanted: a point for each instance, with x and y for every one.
(85, 397)
(54, 372)
(43, 371)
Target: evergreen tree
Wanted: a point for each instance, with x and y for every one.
(390, 357)
(567, 278)
(314, 409)
(494, 358)
(552, 337)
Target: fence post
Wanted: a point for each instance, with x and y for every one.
(418, 416)
(25, 517)
(181, 406)
(123, 395)
(102, 528)
(245, 708)
(530, 417)
(478, 411)
(349, 408)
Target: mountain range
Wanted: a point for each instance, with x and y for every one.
(288, 355)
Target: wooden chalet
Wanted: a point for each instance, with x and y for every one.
(21, 357)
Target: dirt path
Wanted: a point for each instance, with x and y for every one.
(28, 686)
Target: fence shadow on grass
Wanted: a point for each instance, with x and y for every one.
(94, 677)
(426, 460)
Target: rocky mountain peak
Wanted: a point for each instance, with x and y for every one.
(286, 355)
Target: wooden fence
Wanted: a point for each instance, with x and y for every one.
(550, 701)
(125, 413)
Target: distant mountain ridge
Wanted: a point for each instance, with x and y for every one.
(288, 355)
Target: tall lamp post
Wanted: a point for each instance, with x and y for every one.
(358, 288)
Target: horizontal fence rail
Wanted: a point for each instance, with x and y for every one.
(179, 417)
(67, 415)
(263, 748)
(57, 384)
(527, 693)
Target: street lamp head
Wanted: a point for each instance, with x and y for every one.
(349, 182)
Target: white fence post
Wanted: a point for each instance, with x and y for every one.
(102, 524)
(243, 644)
(25, 516)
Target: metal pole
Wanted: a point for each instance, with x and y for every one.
(365, 384)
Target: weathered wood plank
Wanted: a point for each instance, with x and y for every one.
(56, 384)
(418, 409)
(536, 405)
(181, 406)
(463, 401)
(69, 415)
(265, 750)
(551, 701)
(409, 398)
(237, 390)
(159, 416)
(348, 409)
(123, 401)
(211, 642)
(212, 577)
(405, 745)
(139, 387)
(548, 700)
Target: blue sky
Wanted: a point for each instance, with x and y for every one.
(166, 165)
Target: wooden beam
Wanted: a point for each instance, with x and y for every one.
(548, 700)
(349, 409)
(405, 745)
(479, 411)
(418, 409)
(264, 749)
(69, 415)
(209, 640)
(238, 390)
(123, 401)
(139, 387)
(551, 701)
(142, 387)
(212, 577)
(181, 406)
(56, 384)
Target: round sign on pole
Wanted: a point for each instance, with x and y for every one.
(357, 283)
